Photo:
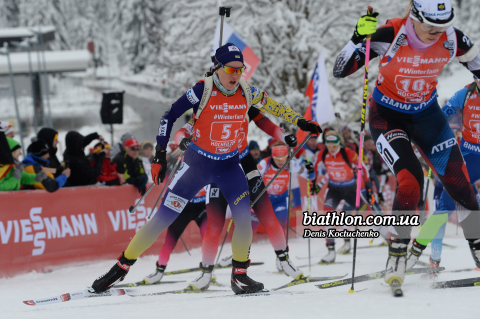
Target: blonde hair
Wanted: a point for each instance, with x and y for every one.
(408, 9)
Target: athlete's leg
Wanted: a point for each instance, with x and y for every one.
(174, 231)
(439, 148)
(231, 180)
(216, 209)
(201, 219)
(195, 172)
(263, 207)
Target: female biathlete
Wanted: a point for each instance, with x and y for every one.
(466, 102)
(337, 164)
(413, 50)
(211, 158)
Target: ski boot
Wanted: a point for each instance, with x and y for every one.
(475, 250)
(240, 282)
(116, 274)
(345, 249)
(156, 276)
(395, 268)
(279, 266)
(330, 257)
(225, 262)
(203, 281)
(414, 254)
(287, 265)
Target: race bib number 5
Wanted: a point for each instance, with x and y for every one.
(224, 131)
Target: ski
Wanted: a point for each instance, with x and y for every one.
(180, 291)
(183, 271)
(305, 280)
(384, 244)
(320, 263)
(82, 294)
(262, 293)
(396, 287)
(144, 283)
(377, 275)
(469, 282)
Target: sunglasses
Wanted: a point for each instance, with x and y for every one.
(231, 70)
(281, 158)
(432, 29)
(135, 148)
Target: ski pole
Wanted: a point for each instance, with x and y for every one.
(224, 239)
(308, 209)
(423, 213)
(223, 11)
(185, 246)
(360, 157)
(289, 192)
(174, 170)
(280, 170)
(132, 208)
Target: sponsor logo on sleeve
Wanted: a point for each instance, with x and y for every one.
(162, 131)
(192, 97)
(175, 202)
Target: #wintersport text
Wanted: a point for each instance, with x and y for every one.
(342, 219)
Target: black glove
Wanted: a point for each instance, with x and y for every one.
(309, 126)
(291, 140)
(184, 143)
(309, 167)
(380, 198)
(159, 165)
(314, 188)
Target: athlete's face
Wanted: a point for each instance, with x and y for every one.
(424, 36)
(312, 143)
(229, 81)
(279, 161)
(333, 148)
(369, 145)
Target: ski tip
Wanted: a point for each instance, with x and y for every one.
(29, 302)
(351, 291)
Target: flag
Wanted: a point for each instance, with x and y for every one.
(250, 59)
(320, 109)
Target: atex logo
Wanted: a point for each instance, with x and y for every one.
(444, 145)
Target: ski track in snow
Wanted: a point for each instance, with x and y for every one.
(420, 300)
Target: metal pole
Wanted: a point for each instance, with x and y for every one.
(44, 119)
(289, 193)
(45, 74)
(28, 47)
(7, 53)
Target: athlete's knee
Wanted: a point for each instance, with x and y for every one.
(409, 185)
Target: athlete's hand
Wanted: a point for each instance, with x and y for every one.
(309, 126)
(309, 167)
(370, 197)
(159, 165)
(380, 198)
(366, 25)
(314, 189)
(291, 140)
(184, 142)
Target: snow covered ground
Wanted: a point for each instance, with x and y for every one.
(420, 301)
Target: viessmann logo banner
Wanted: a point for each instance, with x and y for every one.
(39, 230)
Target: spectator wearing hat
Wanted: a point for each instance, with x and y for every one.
(50, 136)
(130, 165)
(348, 139)
(109, 175)
(37, 161)
(82, 173)
(6, 159)
(16, 176)
(146, 154)
(254, 151)
(9, 131)
(118, 148)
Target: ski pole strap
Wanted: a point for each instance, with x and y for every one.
(281, 169)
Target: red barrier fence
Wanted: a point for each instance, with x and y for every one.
(41, 230)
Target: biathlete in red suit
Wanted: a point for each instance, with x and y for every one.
(211, 158)
(404, 109)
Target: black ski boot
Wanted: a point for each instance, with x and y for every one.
(241, 283)
(414, 254)
(475, 250)
(116, 274)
